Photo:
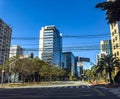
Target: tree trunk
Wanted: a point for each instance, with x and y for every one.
(110, 75)
(14, 77)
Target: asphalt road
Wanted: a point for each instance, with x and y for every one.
(57, 92)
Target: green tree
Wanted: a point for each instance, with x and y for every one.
(37, 65)
(62, 74)
(88, 74)
(26, 68)
(57, 73)
(108, 63)
(112, 9)
(45, 71)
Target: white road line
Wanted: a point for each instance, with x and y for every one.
(58, 87)
(118, 95)
(83, 86)
(71, 86)
(77, 86)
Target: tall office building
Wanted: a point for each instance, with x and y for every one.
(106, 46)
(5, 41)
(50, 45)
(15, 50)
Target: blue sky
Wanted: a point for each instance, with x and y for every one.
(71, 17)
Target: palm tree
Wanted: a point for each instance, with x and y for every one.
(112, 9)
(108, 63)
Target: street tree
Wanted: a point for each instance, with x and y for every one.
(37, 65)
(45, 72)
(108, 63)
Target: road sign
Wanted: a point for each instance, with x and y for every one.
(83, 59)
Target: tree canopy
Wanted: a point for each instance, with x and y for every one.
(30, 70)
(112, 9)
(108, 63)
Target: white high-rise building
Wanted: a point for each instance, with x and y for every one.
(50, 45)
(5, 41)
(101, 55)
(105, 46)
(15, 50)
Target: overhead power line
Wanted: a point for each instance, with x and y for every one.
(64, 36)
(73, 48)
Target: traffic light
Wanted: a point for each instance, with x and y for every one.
(31, 55)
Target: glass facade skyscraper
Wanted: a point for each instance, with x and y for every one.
(68, 63)
(50, 45)
(106, 46)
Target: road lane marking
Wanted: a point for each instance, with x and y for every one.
(77, 86)
(102, 94)
(83, 86)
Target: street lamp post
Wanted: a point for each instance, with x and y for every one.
(2, 76)
(9, 73)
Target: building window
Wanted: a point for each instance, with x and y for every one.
(117, 53)
(116, 38)
(112, 33)
(114, 23)
(113, 40)
(114, 47)
(112, 26)
(115, 31)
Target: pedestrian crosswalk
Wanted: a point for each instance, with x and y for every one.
(58, 87)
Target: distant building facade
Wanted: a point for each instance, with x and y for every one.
(5, 41)
(105, 49)
(69, 63)
(79, 65)
(15, 50)
(101, 55)
(106, 46)
(50, 45)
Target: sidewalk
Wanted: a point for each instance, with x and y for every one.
(36, 85)
(25, 85)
